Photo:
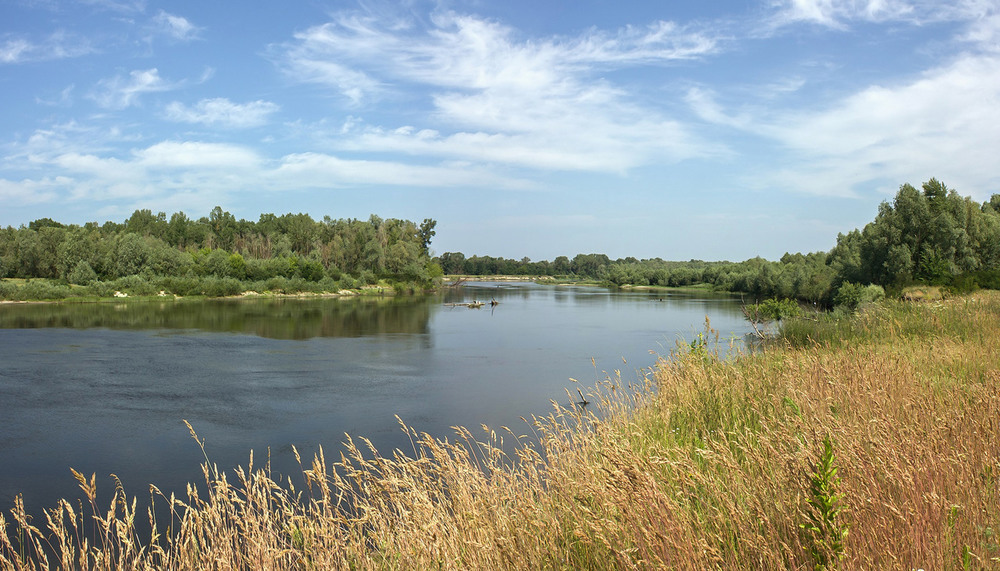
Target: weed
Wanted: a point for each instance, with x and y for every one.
(825, 527)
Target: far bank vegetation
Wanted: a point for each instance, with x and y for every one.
(215, 255)
(931, 237)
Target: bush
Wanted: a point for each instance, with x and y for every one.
(778, 309)
(986, 279)
(312, 271)
(328, 284)
(276, 284)
(853, 297)
(101, 289)
(134, 285)
(41, 289)
(82, 274)
(221, 287)
(7, 290)
(182, 286)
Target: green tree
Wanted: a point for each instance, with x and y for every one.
(129, 255)
(590, 265)
(26, 253)
(82, 274)
(426, 234)
(561, 265)
(37, 225)
(145, 223)
(452, 263)
(80, 244)
(301, 230)
(50, 239)
(223, 226)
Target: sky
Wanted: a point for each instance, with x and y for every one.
(688, 129)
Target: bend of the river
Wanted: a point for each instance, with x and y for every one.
(103, 387)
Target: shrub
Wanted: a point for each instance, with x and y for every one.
(134, 285)
(854, 296)
(182, 286)
(312, 271)
(221, 287)
(40, 290)
(82, 274)
(7, 289)
(276, 284)
(328, 284)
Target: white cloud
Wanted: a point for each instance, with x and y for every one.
(122, 6)
(838, 14)
(13, 51)
(704, 105)
(504, 100)
(64, 99)
(835, 13)
(984, 32)
(318, 170)
(223, 112)
(24, 192)
(197, 155)
(176, 27)
(58, 45)
(120, 92)
(169, 169)
(472, 53)
(942, 124)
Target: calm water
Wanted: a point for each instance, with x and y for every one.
(103, 388)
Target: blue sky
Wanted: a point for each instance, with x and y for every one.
(681, 130)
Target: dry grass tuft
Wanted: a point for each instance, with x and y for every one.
(710, 464)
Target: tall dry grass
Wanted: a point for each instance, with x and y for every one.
(711, 464)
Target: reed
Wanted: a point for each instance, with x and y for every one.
(872, 448)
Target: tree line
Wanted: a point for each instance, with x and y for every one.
(929, 236)
(185, 256)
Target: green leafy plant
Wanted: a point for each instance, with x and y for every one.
(825, 528)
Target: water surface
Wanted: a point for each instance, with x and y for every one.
(103, 387)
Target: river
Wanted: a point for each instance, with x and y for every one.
(104, 387)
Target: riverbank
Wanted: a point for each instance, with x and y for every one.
(134, 288)
(544, 280)
(712, 464)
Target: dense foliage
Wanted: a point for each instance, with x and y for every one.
(933, 236)
(218, 254)
(929, 236)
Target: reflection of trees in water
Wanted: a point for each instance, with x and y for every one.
(485, 291)
(271, 318)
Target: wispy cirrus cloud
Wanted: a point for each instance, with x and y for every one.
(121, 91)
(221, 111)
(59, 163)
(835, 13)
(494, 97)
(359, 54)
(58, 45)
(175, 27)
(839, 14)
(940, 124)
(120, 6)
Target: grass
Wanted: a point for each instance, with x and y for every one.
(866, 443)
